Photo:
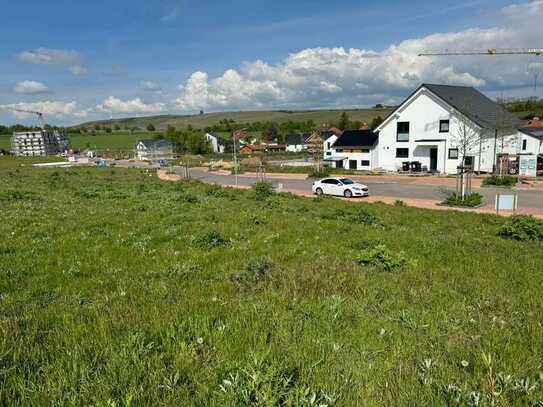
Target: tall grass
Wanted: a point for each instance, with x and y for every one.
(114, 290)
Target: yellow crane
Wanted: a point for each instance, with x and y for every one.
(487, 51)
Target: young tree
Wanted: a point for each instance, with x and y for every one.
(376, 122)
(467, 139)
(343, 121)
(150, 127)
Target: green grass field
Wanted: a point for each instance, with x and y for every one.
(320, 117)
(117, 289)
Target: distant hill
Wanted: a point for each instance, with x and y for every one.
(320, 117)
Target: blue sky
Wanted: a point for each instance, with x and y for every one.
(135, 57)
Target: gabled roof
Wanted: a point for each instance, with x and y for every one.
(357, 138)
(221, 141)
(157, 143)
(297, 139)
(476, 106)
(533, 131)
(471, 103)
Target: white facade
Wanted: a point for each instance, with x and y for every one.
(216, 146)
(435, 132)
(296, 148)
(328, 146)
(149, 151)
(39, 143)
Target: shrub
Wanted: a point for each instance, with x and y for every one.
(263, 190)
(188, 198)
(522, 228)
(470, 201)
(366, 218)
(399, 202)
(17, 196)
(382, 257)
(320, 173)
(502, 181)
(257, 271)
(209, 240)
(217, 191)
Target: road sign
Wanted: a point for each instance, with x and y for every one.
(506, 203)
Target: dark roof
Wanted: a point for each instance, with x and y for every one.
(221, 141)
(297, 139)
(157, 143)
(534, 132)
(357, 138)
(474, 105)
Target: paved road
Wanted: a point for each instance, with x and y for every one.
(527, 199)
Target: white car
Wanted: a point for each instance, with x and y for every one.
(340, 187)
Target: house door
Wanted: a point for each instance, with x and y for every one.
(352, 165)
(433, 159)
(339, 164)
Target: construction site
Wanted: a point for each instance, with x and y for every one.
(41, 142)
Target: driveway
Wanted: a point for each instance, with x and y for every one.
(386, 187)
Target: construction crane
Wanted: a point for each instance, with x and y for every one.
(488, 51)
(39, 114)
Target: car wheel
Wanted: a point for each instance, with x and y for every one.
(319, 191)
(348, 193)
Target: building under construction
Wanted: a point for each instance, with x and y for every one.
(38, 143)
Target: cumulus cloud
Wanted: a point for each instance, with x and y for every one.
(150, 86)
(48, 108)
(31, 87)
(320, 77)
(113, 104)
(46, 56)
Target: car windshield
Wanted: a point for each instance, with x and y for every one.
(347, 181)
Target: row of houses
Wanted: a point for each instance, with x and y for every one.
(437, 129)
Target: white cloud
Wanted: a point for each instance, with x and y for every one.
(320, 77)
(150, 86)
(31, 87)
(46, 56)
(113, 104)
(48, 108)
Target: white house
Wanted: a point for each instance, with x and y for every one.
(218, 143)
(438, 124)
(297, 142)
(329, 138)
(355, 150)
(150, 150)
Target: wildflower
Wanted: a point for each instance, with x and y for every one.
(382, 332)
(200, 341)
(464, 363)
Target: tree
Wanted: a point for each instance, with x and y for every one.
(271, 133)
(171, 132)
(376, 122)
(117, 127)
(343, 121)
(108, 130)
(467, 139)
(150, 127)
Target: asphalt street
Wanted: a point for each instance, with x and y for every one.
(526, 198)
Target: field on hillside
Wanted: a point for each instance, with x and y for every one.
(320, 117)
(114, 141)
(118, 289)
(5, 142)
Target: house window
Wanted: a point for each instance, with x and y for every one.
(365, 150)
(328, 145)
(402, 153)
(444, 126)
(328, 153)
(352, 165)
(524, 145)
(365, 163)
(402, 134)
(453, 154)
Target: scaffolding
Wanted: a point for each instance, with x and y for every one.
(38, 143)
